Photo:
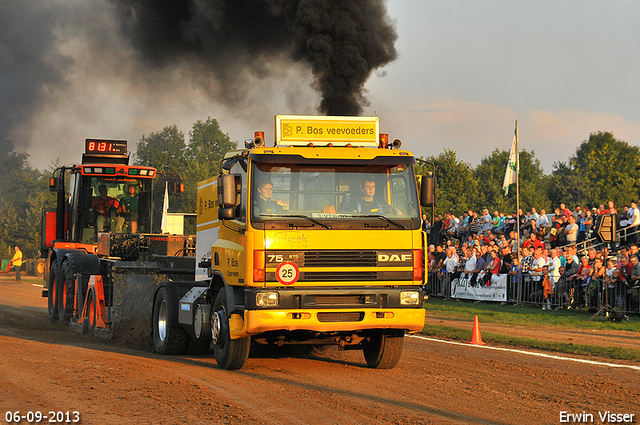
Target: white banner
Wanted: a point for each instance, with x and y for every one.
(497, 291)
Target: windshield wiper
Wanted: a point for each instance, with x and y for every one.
(306, 217)
(395, 223)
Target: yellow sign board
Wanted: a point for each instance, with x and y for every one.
(300, 130)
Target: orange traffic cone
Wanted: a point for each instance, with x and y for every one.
(476, 338)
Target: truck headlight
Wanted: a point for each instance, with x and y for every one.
(410, 298)
(267, 299)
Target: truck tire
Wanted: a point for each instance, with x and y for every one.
(231, 354)
(168, 337)
(383, 350)
(66, 294)
(89, 323)
(52, 301)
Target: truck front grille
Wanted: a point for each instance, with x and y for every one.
(338, 299)
(337, 276)
(340, 259)
(355, 316)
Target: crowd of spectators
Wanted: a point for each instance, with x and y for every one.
(481, 245)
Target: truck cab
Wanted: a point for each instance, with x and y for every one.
(314, 241)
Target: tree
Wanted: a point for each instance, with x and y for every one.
(602, 169)
(167, 151)
(566, 186)
(23, 195)
(532, 180)
(457, 189)
(164, 150)
(207, 146)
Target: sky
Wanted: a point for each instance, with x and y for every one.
(465, 72)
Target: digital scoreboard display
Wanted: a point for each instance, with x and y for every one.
(109, 147)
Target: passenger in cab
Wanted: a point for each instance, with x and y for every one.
(367, 202)
(130, 208)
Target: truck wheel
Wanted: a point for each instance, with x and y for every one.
(89, 323)
(40, 267)
(52, 301)
(66, 294)
(167, 338)
(230, 353)
(383, 350)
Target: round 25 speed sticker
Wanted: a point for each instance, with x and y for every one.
(287, 273)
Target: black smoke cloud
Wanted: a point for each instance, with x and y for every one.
(70, 69)
(226, 41)
(29, 64)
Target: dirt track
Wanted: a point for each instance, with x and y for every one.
(44, 367)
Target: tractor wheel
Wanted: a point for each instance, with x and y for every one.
(89, 323)
(168, 337)
(230, 353)
(383, 350)
(66, 294)
(41, 265)
(52, 302)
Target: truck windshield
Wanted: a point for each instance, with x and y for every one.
(113, 204)
(374, 195)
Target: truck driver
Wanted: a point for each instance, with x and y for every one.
(104, 206)
(264, 204)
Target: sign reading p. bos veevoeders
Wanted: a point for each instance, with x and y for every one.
(301, 130)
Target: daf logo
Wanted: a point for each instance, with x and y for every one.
(383, 258)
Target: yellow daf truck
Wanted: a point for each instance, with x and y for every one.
(315, 241)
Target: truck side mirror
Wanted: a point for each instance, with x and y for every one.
(428, 191)
(177, 188)
(54, 184)
(229, 188)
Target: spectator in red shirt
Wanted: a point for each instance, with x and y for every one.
(610, 210)
(533, 242)
(493, 268)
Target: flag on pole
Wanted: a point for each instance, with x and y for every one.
(512, 166)
(165, 207)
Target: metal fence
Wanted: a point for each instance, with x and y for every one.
(592, 295)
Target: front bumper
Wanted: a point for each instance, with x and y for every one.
(326, 320)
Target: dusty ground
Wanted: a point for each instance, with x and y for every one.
(45, 367)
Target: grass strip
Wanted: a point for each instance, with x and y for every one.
(458, 334)
(528, 315)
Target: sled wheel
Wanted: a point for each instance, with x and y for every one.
(168, 338)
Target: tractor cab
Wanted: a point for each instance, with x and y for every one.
(102, 195)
